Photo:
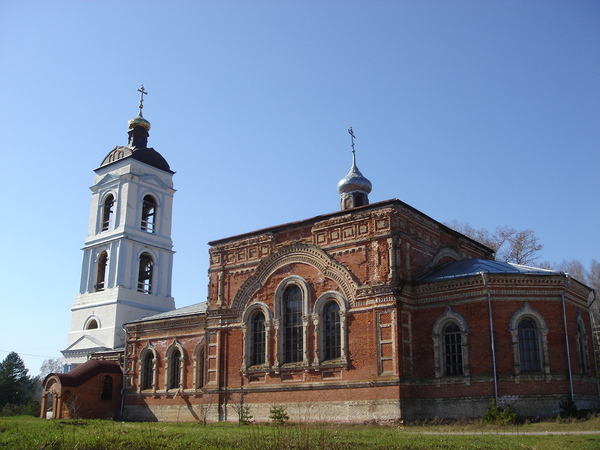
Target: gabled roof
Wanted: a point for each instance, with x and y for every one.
(87, 370)
(191, 310)
(475, 266)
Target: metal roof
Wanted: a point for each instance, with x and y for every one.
(474, 266)
(191, 310)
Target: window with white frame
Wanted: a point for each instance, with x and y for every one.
(293, 328)
(450, 345)
(147, 368)
(175, 366)
(329, 321)
(292, 300)
(529, 339)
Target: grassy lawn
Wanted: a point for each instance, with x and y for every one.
(32, 433)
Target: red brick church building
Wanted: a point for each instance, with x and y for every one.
(374, 312)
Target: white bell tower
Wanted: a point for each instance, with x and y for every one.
(127, 256)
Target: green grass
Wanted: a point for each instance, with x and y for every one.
(31, 433)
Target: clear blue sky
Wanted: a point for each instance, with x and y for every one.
(484, 112)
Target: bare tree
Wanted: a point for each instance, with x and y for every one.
(510, 245)
(52, 365)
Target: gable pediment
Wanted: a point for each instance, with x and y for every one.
(86, 342)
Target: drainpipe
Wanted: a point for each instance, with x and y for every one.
(492, 344)
(564, 308)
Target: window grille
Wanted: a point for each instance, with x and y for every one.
(332, 334)
(147, 369)
(529, 353)
(292, 325)
(175, 369)
(453, 356)
(257, 339)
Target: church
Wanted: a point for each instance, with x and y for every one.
(375, 312)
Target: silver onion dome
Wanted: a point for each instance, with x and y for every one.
(354, 181)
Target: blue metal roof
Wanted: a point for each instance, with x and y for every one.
(474, 266)
(191, 310)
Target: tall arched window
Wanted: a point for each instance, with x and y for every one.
(452, 350)
(332, 333)
(101, 271)
(529, 346)
(200, 369)
(107, 212)
(450, 345)
(582, 348)
(145, 274)
(174, 369)
(257, 339)
(293, 346)
(107, 388)
(147, 371)
(148, 214)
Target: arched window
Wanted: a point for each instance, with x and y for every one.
(92, 325)
(148, 214)
(529, 335)
(332, 333)
(200, 369)
(147, 370)
(257, 339)
(107, 388)
(450, 345)
(529, 346)
(293, 339)
(452, 350)
(174, 369)
(101, 272)
(107, 212)
(582, 348)
(145, 274)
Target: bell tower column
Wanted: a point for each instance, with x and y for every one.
(128, 253)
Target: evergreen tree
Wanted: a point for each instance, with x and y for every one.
(16, 386)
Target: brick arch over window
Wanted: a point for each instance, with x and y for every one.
(450, 345)
(175, 364)
(147, 368)
(330, 330)
(256, 340)
(529, 335)
(297, 253)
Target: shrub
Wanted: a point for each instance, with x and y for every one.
(499, 416)
(568, 408)
(278, 415)
(245, 416)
